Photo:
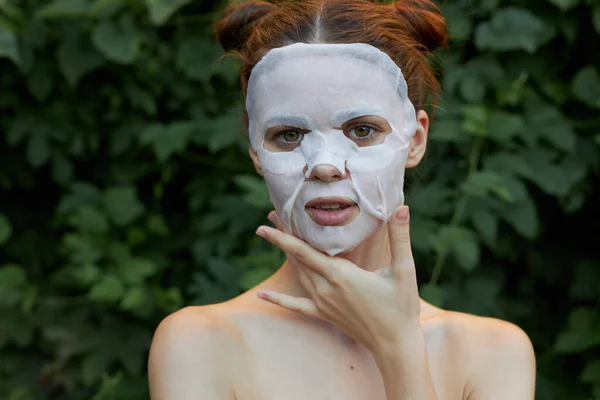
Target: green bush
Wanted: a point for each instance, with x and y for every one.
(127, 193)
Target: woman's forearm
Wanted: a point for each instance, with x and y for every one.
(405, 369)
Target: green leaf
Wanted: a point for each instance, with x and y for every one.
(508, 164)
(549, 177)
(40, 82)
(256, 191)
(80, 193)
(38, 149)
(228, 69)
(503, 126)
(546, 121)
(89, 219)
(596, 18)
(460, 242)
(591, 372)
(432, 200)
(106, 8)
(476, 119)
(582, 332)
(122, 205)
(8, 44)
(118, 42)
(86, 274)
(585, 283)
(512, 29)
(62, 169)
(222, 270)
(480, 183)
(12, 279)
(167, 140)
(18, 130)
(448, 131)
(76, 59)
(157, 224)
(161, 10)
(420, 232)
(586, 86)
(486, 224)
(565, 5)
(472, 88)
(517, 189)
(523, 217)
(224, 132)
(136, 270)
(433, 294)
(481, 295)
(169, 299)
(5, 229)
(466, 253)
(459, 22)
(108, 289)
(136, 298)
(94, 365)
(196, 57)
(64, 9)
(141, 98)
(82, 249)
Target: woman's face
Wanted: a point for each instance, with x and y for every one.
(331, 134)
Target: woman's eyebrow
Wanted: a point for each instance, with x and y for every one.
(346, 115)
(298, 121)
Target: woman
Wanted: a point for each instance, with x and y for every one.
(334, 94)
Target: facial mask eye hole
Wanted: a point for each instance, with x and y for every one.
(291, 136)
(283, 139)
(367, 131)
(362, 131)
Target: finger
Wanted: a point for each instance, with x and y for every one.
(298, 304)
(399, 230)
(278, 222)
(302, 252)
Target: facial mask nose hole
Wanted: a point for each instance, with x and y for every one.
(327, 173)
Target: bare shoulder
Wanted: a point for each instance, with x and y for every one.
(192, 355)
(499, 355)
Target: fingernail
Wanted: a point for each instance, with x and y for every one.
(261, 232)
(270, 217)
(262, 295)
(402, 214)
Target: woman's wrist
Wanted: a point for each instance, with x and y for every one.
(408, 337)
(404, 367)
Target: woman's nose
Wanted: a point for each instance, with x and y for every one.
(327, 173)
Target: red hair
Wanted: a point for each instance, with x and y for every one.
(407, 30)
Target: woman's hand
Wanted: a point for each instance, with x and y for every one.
(374, 308)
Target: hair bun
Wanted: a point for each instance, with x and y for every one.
(234, 27)
(424, 21)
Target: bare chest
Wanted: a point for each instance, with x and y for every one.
(300, 364)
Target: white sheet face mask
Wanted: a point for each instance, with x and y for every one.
(319, 90)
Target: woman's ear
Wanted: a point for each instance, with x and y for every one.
(418, 143)
(255, 160)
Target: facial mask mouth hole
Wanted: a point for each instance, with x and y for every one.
(333, 214)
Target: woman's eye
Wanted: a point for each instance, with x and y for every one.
(291, 136)
(362, 132)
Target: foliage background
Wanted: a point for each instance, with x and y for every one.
(127, 193)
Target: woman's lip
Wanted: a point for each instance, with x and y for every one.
(333, 217)
(319, 201)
